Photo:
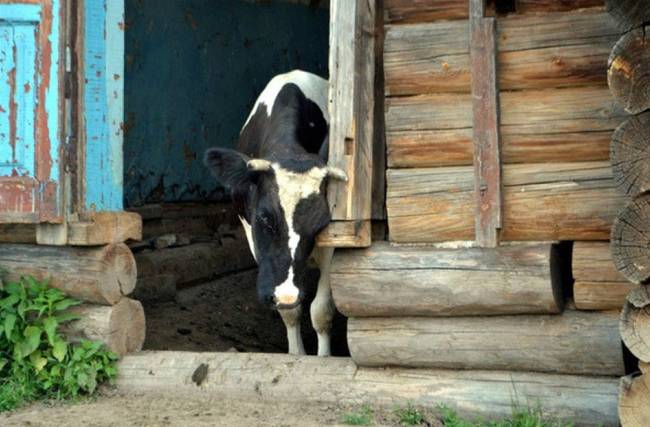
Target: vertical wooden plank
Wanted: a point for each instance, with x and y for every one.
(102, 92)
(487, 162)
(351, 103)
(379, 147)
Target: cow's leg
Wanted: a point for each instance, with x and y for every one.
(322, 308)
(291, 319)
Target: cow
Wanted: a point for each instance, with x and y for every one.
(277, 179)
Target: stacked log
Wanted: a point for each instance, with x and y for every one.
(100, 276)
(597, 283)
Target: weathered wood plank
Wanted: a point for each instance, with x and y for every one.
(535, 52)
(584, 343)
(562, 201)
(99, 275)
(552, 125)
(485, 108)
(588, 401)
(346, 234)
(352, 77)
(539, 6)
(422, 281)
(406, 11)
(102, 228)
(598, 285)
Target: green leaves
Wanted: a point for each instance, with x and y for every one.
(38, 360)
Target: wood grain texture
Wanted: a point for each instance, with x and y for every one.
(628, 70)
(351, 102)
(561, 50)
(630, 155)
(540, 6)
(629, 14)
(406, 11)
(422, 281)
(574, 343)
(346, 234)
(588, 401)
(630, 241)
(598, 284)
(551, 125)
(100, 275)
(103, 228)
(121, 326)
(485, 109)
(635, 323)
(561, 201)
(634, 400)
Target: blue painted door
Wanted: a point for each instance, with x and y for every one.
(30, 111)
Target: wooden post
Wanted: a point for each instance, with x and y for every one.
(487, 163)
(351, 107)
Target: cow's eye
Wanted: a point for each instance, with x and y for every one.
(267, 222)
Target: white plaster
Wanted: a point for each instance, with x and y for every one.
(312, 86)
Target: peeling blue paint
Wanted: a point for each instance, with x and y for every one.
(193, 71)
(103, 98)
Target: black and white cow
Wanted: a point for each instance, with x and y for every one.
(278, 179)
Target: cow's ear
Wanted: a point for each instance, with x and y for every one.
(230, 167)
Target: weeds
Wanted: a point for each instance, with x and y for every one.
(35, 360)
(409, 415)
(362, 418)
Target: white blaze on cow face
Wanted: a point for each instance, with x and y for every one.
(292, 188)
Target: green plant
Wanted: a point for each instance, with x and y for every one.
(409, 415)
(35, 360)
(520, 418)
(361, 418)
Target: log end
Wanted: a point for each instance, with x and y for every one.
(123, 267)
(128, 327)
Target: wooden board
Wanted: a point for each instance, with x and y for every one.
(385, 280)
(346, 234)
(564, 50)
(485, 109)
(280, 377)
(552, 125)
(545, 6)
(101, 275)
(598, 285)
(406, 11)
(573, 343)
(103, 228)
(561, 201)
(351, 101)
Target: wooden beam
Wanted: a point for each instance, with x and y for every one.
(346, 234)
(102, 228)
(584, 400)
(352, 81)
(487, 161)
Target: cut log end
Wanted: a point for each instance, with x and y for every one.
(634, 400)
(628, 14)
(628, 73)
(635, 325)
(630, 240)
(121, 326)
(630, 155)
(123, 267)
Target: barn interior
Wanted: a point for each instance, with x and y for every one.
(193, 71)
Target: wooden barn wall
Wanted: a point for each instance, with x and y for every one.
(556, 121)
(193, 71)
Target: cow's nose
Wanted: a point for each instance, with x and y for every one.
(286, 300)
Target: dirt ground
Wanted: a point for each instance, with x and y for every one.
(115, 409)
(224, 315)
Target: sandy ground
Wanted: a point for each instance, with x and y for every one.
(114, 409)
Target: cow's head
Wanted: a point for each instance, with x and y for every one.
(286, 207)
